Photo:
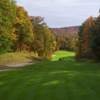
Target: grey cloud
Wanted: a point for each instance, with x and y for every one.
(60, 13)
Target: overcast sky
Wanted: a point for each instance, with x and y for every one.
(62, 13)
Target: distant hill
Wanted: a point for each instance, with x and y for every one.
(66, 31)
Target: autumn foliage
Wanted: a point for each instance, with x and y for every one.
(19, 31)
(89, 39)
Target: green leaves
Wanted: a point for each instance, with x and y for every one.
(44, 40)
(89, 38)
(95, 38)
(5, 44)
(23, 28)
(7, 17)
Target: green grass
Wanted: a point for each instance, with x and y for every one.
(61, 54)
(52, 80)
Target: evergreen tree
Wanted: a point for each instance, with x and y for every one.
(95, 38)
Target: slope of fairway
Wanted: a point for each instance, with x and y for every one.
(62, 54)
(52, 80)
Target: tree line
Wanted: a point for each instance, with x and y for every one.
(19, 31)
(89, 39)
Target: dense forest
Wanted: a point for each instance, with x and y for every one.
(21, 32)
(89, 39)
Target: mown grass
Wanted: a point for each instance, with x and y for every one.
(62, 54)
(52, 80)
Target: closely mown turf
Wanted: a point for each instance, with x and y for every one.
(52, 80)
(62, 54)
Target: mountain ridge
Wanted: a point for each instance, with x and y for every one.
(70, 30)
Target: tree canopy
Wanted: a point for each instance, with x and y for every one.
(7, 19)
(89, 39)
